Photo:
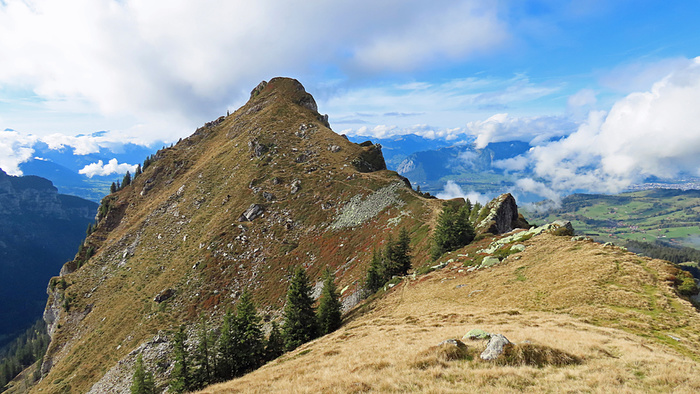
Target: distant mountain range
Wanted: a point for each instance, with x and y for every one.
(40, 230)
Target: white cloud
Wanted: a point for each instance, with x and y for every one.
(535, 130)
(453, 190)
(425, 131)
(14, 150)
(440, 32)
(112, 167)
(138, 62)
(651, 133)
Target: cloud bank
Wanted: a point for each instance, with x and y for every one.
(651, 133)
(101, 169)
(140, 61)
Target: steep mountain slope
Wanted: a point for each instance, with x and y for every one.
(39, 231)
(234, 206)
(615, 314)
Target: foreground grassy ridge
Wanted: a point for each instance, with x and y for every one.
(177, 227)
(668, 215)
(613, 310)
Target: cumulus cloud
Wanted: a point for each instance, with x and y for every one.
(112, 167)
(15, 149)
(144, 60)
(651, 133)
(453, 190)
(535, 130)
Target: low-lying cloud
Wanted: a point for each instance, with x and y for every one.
(112, 167)
(453, 190)
(655, 133)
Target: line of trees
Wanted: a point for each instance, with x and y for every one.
(241, 346)
(24, 351)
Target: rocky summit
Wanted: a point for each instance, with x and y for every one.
(238, 206)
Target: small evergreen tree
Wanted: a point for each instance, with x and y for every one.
(375, 273)
(275, 343)
(226, 353)
(113, 188)
(202, 361)
(138, 171)
(300, 324)
(248, 336)
(180, 380)
(402, 252)
(328, 313)
(453, 230)
(474, 213)
(127, 180)
(142, 381)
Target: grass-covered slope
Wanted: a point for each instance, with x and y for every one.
(614, 312)
(176, 231)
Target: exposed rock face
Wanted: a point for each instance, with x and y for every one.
(495, 347)
(371, 158)
(40, 229)
(502, 216)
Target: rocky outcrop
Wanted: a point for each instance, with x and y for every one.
(502, 216)
(371, 159)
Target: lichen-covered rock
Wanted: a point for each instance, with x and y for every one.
(561, 227)
(476, 334)
(502, 216)
(489, 261)
(495, 347)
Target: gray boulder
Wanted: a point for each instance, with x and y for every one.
(251, 213)
(495, 347)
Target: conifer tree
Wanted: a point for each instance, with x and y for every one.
(453, 230)
(180, 379)
(226, 354)
(142, 381)
(328, 313)
(402, 252)
(274, 346)
(202, 361)
(248, 335)
(113, 188)
(375, 273)
(127, 179)
(138, 171)
(300, 325)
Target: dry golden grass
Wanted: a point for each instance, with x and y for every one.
(565, 316)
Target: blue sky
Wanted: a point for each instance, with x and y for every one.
(148, 71)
